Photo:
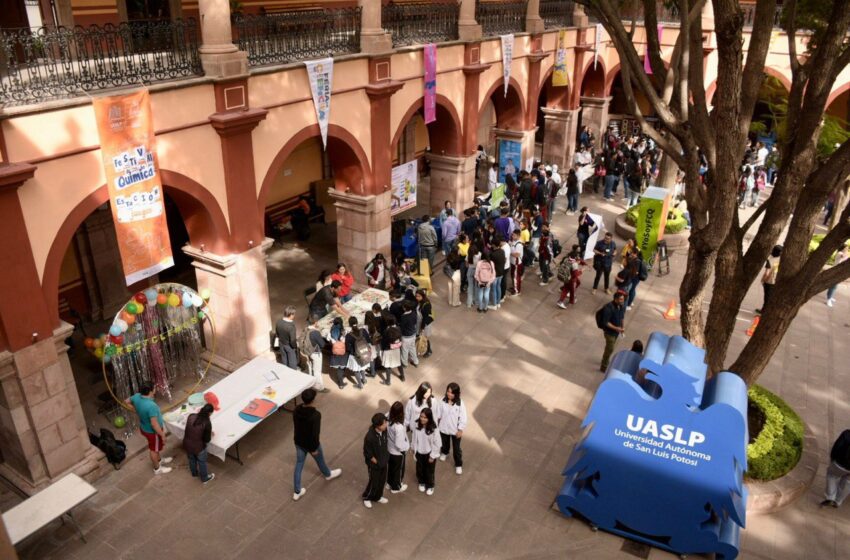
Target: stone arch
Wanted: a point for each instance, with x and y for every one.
(510, 110)
(445, 135)
(593, 80)
(348, 160)
(640, 98)
(836, 93)
(201, 213)
(556, 97)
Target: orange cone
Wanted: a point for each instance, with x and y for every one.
(753, 325)
(670, 314)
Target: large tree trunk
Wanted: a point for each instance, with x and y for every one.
(729, 291)
(692, 293)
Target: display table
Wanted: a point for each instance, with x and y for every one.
(357, 307)
(234, 392)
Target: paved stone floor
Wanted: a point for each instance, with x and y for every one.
(528, 373)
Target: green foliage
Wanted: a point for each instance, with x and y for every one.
(676, 221)
(778, 447)
(815, 243)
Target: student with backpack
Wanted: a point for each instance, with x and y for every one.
(640, 272)
(339, 355)
(609, 318)
(310, 346)
(196, 436)
(545, 254)
(485, 276)
(426, 310)
(359, 350)
(391, 350)
(569, 272)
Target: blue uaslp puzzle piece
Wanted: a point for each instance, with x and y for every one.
(663, 454)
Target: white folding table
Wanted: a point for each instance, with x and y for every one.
(234, 392)
(357, 306)
(50, 504)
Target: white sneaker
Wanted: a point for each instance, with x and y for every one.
(458, 470)
(430, 491)
(421, 487)
(383, 500)
(368, 504)
(165, 460)
(162, 470)
(543, 284)
(401, 489)
(442, 457)
(562, 305)
(210, 478)
(298, 496)
(830, 302)
(334, 473)
(492, 307)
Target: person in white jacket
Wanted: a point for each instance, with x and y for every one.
(425, 441)
(452, 421)
(398, 445)
(421, 399)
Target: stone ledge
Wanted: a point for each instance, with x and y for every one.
(674, 240)
(772, 496)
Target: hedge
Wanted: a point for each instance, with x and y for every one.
(675, 223)
(778, 447)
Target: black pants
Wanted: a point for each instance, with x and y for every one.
(425, 470)
(457, 452)
(599, 274)
(504, 286)
(377, 479)
(396, 471)
(767, 290)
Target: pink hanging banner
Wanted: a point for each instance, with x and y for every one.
(430, 83)
(647, 67)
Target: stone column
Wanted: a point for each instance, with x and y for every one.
(534, 60)
(362, 226)
(467, 28)
(579, 17)
(380, 90)
(105, 278)
(594, 113)
(239, 302)
(373, 38)
(559, 139)
(452, 178)
(219, 56)
(533, 21)
(122, 10)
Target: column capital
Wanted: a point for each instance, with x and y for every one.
(383, 90)
(595, 101)
(13, 175)
(536, 57)
(473, 69)
(558, 114)
(231, 123)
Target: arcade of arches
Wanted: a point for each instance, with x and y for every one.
(237, 156)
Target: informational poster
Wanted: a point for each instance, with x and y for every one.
(652, 218)
(321, 73)
(595, 232)
(597, 36)
(529, 164)
(647, 66)
(560, 76)
(128, 148)
(507, 58)
(510, 158)
(430, 100)
(404, 178)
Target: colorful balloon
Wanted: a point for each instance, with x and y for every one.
(201, 315)
(205, 294)
(141, 298)
(128, 318)
(150, 295)
(115, 329)
(121, 325)
(173, 300)
(119, 422)
(111, 350)
(98, 352)
(89, 343)
(161, 299)
(197, 300)
(106, 358)
(132, 308)
(97, 343)
(139, 308)
(187, 299)
(117, 340)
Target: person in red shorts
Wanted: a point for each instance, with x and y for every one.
(152, 426)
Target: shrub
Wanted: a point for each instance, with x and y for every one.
(675, 224)
(777, 449)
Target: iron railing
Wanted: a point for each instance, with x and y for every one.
(500, 18)
(414, 23)
(44, 63)
(302, 35)
(556, 13)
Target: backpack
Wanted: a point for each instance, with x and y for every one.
(115, 451)
(527, 256)
(362, 350)
(564, 269)
(556, 247)
(600, 317)
(305, 348)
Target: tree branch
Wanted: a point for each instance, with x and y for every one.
(789, 10)
(752, 219)
(829, 277)
(684, 59)
(753, 74)
(813, 267)
(653, 42)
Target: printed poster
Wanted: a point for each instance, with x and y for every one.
(647, 66)
(404, 179)
(510, 158)
(652, 218)
(128, 148)
(507, 58)
(321, 73)
(560, 76)
(430, 83)
(597, 36)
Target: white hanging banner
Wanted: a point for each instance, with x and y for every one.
(596, 44)
(507, 58)
(321, 73)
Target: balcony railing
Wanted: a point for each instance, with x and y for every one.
(414, 23)
(500, 18)
(44, 63)
(301, 35)
(556, 13)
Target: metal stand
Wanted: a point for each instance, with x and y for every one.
(235, 457)
(662, 258)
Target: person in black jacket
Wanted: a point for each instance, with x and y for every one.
(307, 423)
(287, 338)
(377, 458)
(838, 472)
(195, 439)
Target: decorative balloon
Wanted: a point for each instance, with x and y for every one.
(98, 352)
(173, 300)
(141, 298)
(106, 358)
(116, 340)
(121, 325)
(139, 308)
(115, 330)
(205, 294)
(97, 342)
(150, 295)
(201, 315)
(88, 342)
(161, 299)
(197, 300)
(119, 422)
(132, 308)
(128, 317)
(187, 299)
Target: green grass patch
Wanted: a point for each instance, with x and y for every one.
(778, 447)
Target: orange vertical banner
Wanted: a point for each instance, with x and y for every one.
(128, 147)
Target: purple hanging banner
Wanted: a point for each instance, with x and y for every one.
(647, 67)
(430, 83)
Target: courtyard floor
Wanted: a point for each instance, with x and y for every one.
(528, 373)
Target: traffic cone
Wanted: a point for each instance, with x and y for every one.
(670, 314)
(753, 325)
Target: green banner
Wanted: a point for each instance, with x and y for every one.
(497, 195)
(652, 218)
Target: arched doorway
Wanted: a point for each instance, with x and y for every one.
(556, 125)
(501, 123)
(620, 115)
(594, 103)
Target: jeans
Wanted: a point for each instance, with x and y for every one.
(300, 457)
(551, 207)
(198, 465)
(454, 442)
(610, 342)
(837, 483)
(496, 291)
(632, 196)
(483, 296)
(611, 182)
(289, 357)
(572, 202)
(471, 287)
(428, 253)
(830, 292)
(448, 245)
(582, 242)
(632, 292)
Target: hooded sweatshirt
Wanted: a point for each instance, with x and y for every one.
(308, 423)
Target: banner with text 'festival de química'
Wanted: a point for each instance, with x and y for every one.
(507, 58)
(128, 148)
(560, 76)
(321, 73)
(430, 101)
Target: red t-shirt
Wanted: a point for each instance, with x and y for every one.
(347, 281)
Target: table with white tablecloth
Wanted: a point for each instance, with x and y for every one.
(357, 306)
(260, 378)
